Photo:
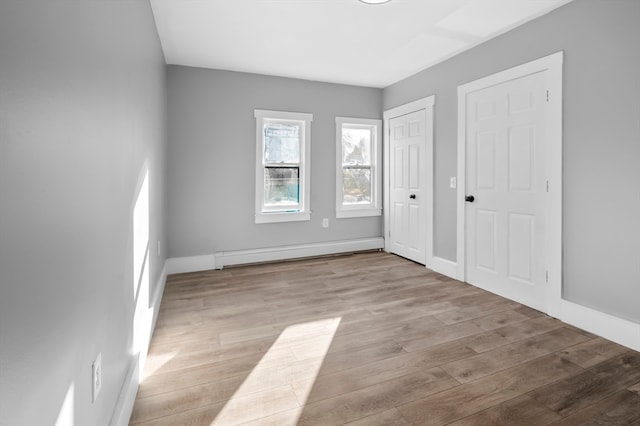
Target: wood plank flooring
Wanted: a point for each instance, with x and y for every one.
(371, 339)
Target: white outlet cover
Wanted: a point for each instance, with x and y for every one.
(453, 183)
(96, 377)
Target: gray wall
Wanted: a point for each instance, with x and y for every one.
(211, 168)
(82, 116)
(601, 141)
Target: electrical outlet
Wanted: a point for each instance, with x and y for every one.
(96, 377)
(453, 182)
(325, 222)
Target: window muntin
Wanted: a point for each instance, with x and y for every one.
(358, 173)
(282, 166)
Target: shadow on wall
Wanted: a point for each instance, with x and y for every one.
(66, 415)
(141, 288)
(143, 314)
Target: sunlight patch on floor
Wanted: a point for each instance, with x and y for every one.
(254, 399)
(156, 362)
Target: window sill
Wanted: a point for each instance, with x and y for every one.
(344, 214)
(278, 217)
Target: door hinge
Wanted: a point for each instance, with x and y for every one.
(547, 96)
(547, 186)
(547, 276)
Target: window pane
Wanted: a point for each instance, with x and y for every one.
(356, 146)
(282, 142)
(356, 186)
(281, 186)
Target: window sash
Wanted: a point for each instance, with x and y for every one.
(358, 194)
(282, 146)
(365, 159)
(287, 199)
(269, 190)
(287, 191)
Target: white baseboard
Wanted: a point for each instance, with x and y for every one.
(239, 257)
(124, 406)
(126, 399)
(616, 329)
(621, 331)
(443, 266)
(178, 265)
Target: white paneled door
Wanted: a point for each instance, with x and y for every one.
(506, 189)
(407, 181)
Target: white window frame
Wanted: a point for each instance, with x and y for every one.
(375, 207)
(264, 214)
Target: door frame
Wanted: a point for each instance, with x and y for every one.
(427, 104)
(552, 64)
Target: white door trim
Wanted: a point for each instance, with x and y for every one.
(420, 104)
(553, 158)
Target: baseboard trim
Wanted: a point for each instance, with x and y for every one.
(239, 257)
(616, 329)
(127, 398)
(124, 406)
(443, 266)
(178, 265)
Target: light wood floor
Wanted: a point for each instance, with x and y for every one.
(371, 339)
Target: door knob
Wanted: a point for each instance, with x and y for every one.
(470, 198)
(412, 196)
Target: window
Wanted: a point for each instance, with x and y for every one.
(359, 175)
(282, 166)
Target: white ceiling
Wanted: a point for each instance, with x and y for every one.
(339, 41)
